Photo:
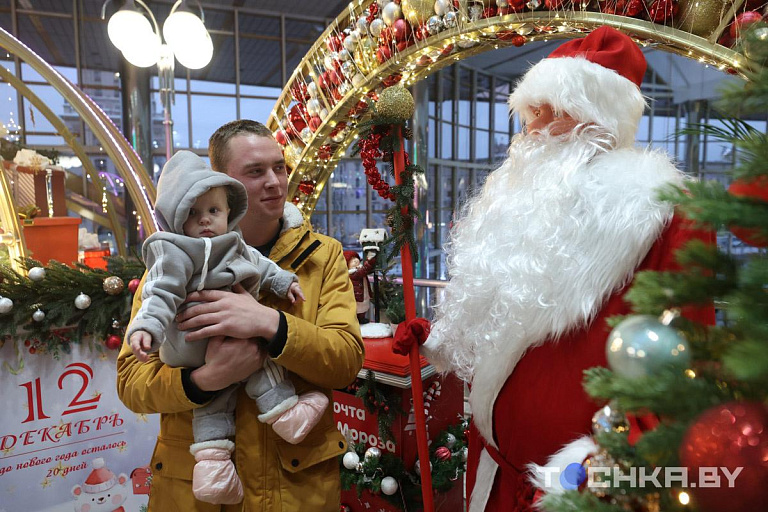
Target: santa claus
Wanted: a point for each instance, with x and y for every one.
(543, 255)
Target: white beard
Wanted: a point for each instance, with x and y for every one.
(557, 228)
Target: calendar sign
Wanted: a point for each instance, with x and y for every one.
(66, 441)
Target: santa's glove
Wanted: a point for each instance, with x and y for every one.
(294, 424)
(214, 479)
(410, 333)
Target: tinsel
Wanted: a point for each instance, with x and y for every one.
(54, 295)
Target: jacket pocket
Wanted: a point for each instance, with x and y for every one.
(172, 459)
(317, 447)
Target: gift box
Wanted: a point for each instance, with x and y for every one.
(51, 238)
(30, 185)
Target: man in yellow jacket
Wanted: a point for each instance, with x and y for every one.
(318, 340)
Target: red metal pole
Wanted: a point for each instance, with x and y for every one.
(406, 261)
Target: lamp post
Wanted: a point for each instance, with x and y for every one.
(141, 44)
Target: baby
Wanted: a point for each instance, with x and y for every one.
(200, 248)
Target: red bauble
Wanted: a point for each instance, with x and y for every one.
(622, 7)
(299, 91)
(661, 10)
(517, 5)
(726, 40)
(306, 187)
(401, 46)
(390, 81)
(133, 285)
(424, 61)
(447, 50)
(555, 4)
(113, 342)
(314, 123)
(443, 453)
(402, 30)
(732, 435)
(518, 40)
(383, 54)
(334, 43)
(489, 12)
(743, 21)
(297, 116)
(754, 189)
(281, 137)
(325, 152)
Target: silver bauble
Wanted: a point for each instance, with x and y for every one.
(524, 30)
(533, 4)
(475, 12)
(323, 113)
(313, 106)
(464, 454)
(388, 485)
(344, 55)
(329, 60)
(641, 345)
(38, 316)
(450, 440)
(306, 134)
(442, 7)
(372, 452)
(391, 13)
(466, 43)
(434, 25)
(312, 89)
(82, 301)
(37, 274)
(449, 20)
(362, 26)
(115, 324)
(351, 41)
(350, 460)
(344, 88)
(417, 467)
(376, 27)
(609, 420)
(6, 305)
(348, 68)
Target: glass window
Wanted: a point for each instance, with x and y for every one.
(482, 139)
(463, 149)
(260, 52)
(256, 109)
(51, 38)
(208, 114)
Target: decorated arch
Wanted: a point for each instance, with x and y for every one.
(373, 44)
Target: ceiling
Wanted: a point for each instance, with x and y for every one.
(259, 24)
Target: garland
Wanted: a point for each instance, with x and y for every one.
(56, 305)
(447, 456)
(386, 407)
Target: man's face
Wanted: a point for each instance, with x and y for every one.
(544, 116)
(208, 216)
(258, 163)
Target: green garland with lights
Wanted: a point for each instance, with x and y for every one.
(385, 406)
(55, 294)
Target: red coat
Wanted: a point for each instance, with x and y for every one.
(542, 406)
(359, 279)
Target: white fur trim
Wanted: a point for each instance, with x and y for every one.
(225, 444)
(271, 415)
(376, 330)
(575, 451)
(486, 474)
(292, 217)
(587, 91)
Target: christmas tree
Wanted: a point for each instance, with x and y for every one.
(685, 425)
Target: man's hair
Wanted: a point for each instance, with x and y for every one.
(217, 144)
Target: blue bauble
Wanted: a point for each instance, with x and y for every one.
(640, 346)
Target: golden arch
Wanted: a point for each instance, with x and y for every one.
(314, 159)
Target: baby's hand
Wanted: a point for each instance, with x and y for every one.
(295, 293)
(141, 342)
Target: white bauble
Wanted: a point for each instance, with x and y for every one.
(323, 113)
(391, 13)
(350, 460)
(313, 106)
(82, 301)
(344, 55)
(37, 273)
(312, 89)
(38, 316)
(442, 7)
(362, 26)
(6, 305)
(376, 27)
(388, 485)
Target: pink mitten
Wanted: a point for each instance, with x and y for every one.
(295, 423)
(214, 479)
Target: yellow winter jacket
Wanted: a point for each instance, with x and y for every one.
(324, 350)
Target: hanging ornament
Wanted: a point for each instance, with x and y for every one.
(732, 435)
(742, 22)
(475, 12)
(417, 11)
(533, 4)
(6, 305)
(390, 13)
(82, 301)
(449, 20)
(464, 454)
(382, 3)
(313, 106)
(38, 316)
(640, 345)
(350, 460)
(389, 485)
(133, 285)
(113, 342)
(115, 323)
(443, 453)
(396, 103)
(281, 137)
(37, 274)
(434, 25)
(372, 452)
(351, 42)
(450, 440)
(442, 7)
(662, 10)
(609, 420)
(376, 27)
(312, 90)
(417, 467)
(756, 189)
(113, 285)
(362, 26)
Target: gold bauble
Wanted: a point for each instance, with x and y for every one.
(417, 11)
(291, 154)
(113, 285)
(396, 104)
(701, 17)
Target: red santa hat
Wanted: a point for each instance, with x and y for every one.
(100, 479)
(595, 80)
(348, 255)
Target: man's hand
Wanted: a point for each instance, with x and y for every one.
(141, 342)
(235, 314)
(227, 361)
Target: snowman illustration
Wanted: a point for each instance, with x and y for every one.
(102, 491)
